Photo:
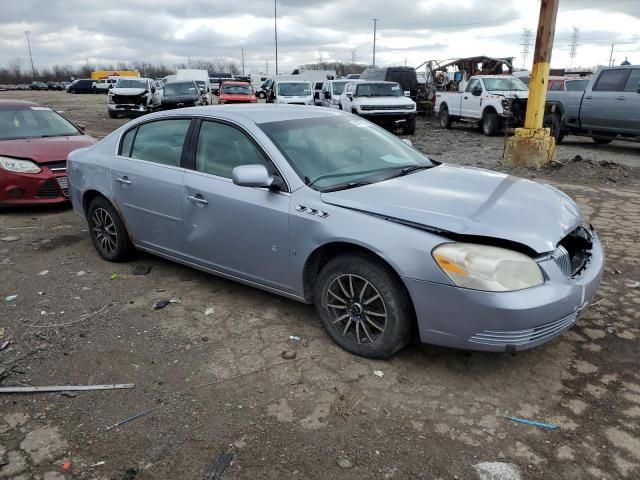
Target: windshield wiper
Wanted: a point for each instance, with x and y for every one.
(346, 186)
(408, 170)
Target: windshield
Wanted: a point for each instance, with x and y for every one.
(187, 88)
(504, 84)
(301, 89)
(378, 90)
(126, 83)
(338, 87)
(236, 89)
(576, 85)
(202, 85)
(34, 122)
(330, 152)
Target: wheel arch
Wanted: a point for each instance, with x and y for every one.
(90, 195)
(487, 109)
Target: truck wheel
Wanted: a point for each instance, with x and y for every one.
(490, 123)
(410, 127)
(602, 141)
(113, 114)
(552, 122)
(445, 119)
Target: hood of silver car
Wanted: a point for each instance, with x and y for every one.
(469, 201)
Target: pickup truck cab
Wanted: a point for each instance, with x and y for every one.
(132, 95)
(491, 100)
(331, 91)
(382, 103)
(608, 109)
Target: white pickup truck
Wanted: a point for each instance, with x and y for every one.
(490, 100)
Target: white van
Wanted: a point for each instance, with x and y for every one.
(292, 92)
(201, 77)
(331, 91)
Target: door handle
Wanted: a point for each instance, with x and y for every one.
(588, 97)
(197, 199)
(466, 98)
(621, 97)
(124, 180)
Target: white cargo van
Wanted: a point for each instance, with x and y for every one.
(292, 92)
(201, 77)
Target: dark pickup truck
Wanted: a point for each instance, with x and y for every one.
(608, 109)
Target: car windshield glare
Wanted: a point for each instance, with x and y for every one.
(329, 152)
(301, 89)
(379, 90)
(180, 89)
(504, 84)
(124, 83)
(34, 122)
(236, 89)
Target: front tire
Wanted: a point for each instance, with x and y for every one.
(445, 118)
(490, 123)
(363, 306)
(552, 122)
(410, 127)
(108, 233)
(602, 141)
(113, 114)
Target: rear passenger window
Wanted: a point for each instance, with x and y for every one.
(221, 148)
(612, 81)
(633, 84)
(127, 141)
(161, 141)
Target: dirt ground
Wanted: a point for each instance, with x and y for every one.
(211, 367)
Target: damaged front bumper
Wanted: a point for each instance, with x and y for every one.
(505, 321)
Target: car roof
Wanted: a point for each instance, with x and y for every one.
(256, 113)
(16, 104)
(235, 82)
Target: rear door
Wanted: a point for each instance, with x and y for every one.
(631, 103)
(146, 180)
(602, 106)
(238, 231)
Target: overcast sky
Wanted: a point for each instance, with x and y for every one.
(168, 31)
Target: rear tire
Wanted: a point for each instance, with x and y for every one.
(107, 231)
(445, 118)
(490, 123)
(113, 114)
(363, 306)
(602, 141)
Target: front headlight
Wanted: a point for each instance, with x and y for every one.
(19, 166)
(482, 267)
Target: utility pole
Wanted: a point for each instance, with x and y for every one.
(533, 145)
(242, 62)
(33, 69)
(275, 29)
(189, 62)
(611, 55)
(353, 55)
(573, 47)
(526, 46)
(375, 28)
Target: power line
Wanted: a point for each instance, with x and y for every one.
(375, 28)
(526, 46)
(574, 45)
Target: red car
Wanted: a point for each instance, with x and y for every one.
(236, 92)
(34, 144)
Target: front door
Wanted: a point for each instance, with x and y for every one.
(240, 231)
(146, 180)
(630, 103)
(470, 105)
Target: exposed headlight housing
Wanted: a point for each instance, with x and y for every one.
(19, 166)
(481, 267)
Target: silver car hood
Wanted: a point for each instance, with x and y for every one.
(469, 201)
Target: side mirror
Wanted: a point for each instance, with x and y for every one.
(476, 91)
(251, 176)
(327, 95)
(349, 95)
(153, 89)
(408, 142)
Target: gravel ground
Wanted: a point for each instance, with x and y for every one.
(211, 366)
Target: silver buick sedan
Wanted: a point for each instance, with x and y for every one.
(324, 207)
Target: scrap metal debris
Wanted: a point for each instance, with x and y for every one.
(163, 303)
(10, 298)
(219, 465)
(131, 419)
(550, 426)
(67, 388)
(288, 354)
(378, 373)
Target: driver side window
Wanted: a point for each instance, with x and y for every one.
(472, 84)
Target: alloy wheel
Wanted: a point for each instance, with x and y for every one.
(104, 229)
(357, 309)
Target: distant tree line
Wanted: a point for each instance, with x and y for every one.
(18, 71)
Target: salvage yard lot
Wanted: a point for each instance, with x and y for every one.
(212, 367)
